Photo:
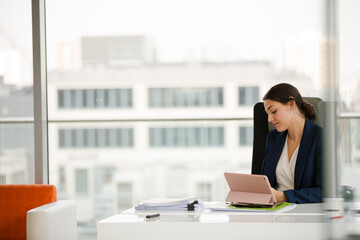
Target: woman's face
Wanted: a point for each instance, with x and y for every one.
(279, 114)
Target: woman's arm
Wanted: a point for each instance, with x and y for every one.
(312, 194)
(304, 195)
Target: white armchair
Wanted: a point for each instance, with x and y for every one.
(52, 221)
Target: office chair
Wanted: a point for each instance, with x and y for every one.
(262, 127)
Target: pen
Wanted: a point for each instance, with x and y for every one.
(153, 215)
(336, 217)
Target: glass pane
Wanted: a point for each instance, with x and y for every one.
(141, 163)
(349, 154)
(132, 68)
(16, 93)
(349, 55)
(17, 153)
(349, 88)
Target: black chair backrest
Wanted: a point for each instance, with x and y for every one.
(262, 128)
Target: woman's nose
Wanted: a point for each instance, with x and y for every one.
(270, 118)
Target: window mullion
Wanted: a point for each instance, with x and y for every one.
(40, 98)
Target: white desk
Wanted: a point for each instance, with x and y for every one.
(306, 221)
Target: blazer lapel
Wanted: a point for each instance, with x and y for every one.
(305, 144)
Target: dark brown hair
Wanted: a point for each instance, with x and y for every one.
(285, 92)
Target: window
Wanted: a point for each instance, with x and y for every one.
(2, 179)
(17, 152)
(61, 100)
(185, 97)
(204, 191)
(16, 93)
(246, 136)
(81, 182)
(357, 135)
(124, 192)
(176, 181)
(187, 137)
(248, 96)
(96, 138)
(102, 79)
(62, 181)
(94, 98)
(108, 174)
(173, 52)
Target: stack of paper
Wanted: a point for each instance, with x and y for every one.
(166, 204)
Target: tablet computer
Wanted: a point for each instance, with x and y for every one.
(249, 189)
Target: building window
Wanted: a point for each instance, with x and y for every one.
(61, 103)
(245, 136)
(248, 96)
(107, 174)
(204, 191)
(357, 140)
(100, 98)
(18, 177)
(81, 182)
(177, 177)
(186, 137)
(124, 191)
(2, 179)
(89, 98)
(96, 138)
(94, 98)
(65, 138)
(185, 97)
(62, 181)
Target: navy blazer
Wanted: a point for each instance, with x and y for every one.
(307, 182)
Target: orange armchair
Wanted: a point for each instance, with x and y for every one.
(32, 212)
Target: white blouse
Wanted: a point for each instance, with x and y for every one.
(285, 170)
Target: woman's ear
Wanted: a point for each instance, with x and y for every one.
(292, 102)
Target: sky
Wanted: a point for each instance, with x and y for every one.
(193, 30)
(186, 30)
(189, 29)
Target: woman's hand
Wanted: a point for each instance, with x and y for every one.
(279, 196)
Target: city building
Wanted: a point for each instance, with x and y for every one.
(156, 130)
(116, 51)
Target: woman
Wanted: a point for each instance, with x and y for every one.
(293, 151)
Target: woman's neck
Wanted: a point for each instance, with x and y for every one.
(295, 131)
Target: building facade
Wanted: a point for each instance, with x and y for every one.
(162, 130)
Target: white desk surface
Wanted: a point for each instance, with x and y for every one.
(306, 221)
